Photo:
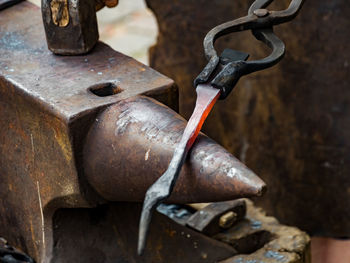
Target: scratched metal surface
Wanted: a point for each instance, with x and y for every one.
(136, 138)
(61, 83)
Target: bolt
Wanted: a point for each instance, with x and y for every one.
(261, 12)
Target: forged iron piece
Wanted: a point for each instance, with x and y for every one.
(162, 188)
(261, 22)
(210, 220)
(70, 25)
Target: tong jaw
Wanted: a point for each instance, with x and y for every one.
(261, 22)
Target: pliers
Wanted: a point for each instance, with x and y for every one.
(224, 72)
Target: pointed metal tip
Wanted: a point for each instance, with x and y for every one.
(247, 183)
(154, 195)
(260, 188)
(144, 224)
(215, 175)
(141, 245)
(145, 220)
(251, 185)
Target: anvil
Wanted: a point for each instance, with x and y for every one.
(80, 133)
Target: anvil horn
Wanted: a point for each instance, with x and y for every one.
(131, 143)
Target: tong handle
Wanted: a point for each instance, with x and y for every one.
(261, 22)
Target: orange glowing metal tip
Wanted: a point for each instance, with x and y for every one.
(162, 188)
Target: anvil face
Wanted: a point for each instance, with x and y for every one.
(46, 106)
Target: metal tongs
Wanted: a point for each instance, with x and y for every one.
(216, 81)
(232, 64)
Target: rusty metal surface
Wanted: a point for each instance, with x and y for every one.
(112, 238)
(45, 110)
(61, 84)
(256, 238)
(136, 137)
(290, 125)
(207, 220)
(261, 238)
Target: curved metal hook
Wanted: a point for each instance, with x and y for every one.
(251, 21)
(272, 41)
(226, 79)
(287, 14)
